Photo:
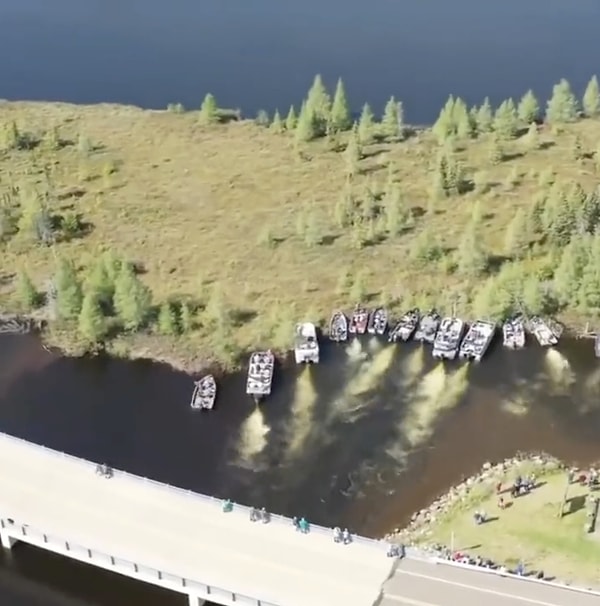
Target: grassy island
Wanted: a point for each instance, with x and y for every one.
(549, 529)
(191, 236)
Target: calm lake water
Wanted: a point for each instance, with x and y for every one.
(364, 439)
(264, 54)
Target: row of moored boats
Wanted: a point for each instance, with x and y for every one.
(450, 337)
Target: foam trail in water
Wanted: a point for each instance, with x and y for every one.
(253, 437)
(412, 368)
(517, 405)
(355, 351)
(305, 397)
(370, 373)
(438, 391)
(374, 344)
(559, 371)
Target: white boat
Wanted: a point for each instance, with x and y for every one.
(260, 374)
(477, 340)
(546, 332)
(205, 393)
(513, 333)
(306, 346)
(448, 337)
(378, 322)
(338, 327)
(406, 326)
(428, 327)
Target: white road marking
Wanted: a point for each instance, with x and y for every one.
(501, 594)
(408, 601)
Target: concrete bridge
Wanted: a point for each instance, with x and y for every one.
(185, 542)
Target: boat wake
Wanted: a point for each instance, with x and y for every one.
(253, 439)
(559, 371)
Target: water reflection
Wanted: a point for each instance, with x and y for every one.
(364, 439)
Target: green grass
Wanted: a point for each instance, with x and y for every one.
(205, 205)
(529, 530)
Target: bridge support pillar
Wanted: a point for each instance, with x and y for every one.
(195, 601)
(7, 541)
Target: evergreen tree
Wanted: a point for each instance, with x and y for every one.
(366, 125)
(568, 274)
(291, 119)
(444, 126)
(472, 259)
(51, 139)
(26, 293)
(591, 98)
(425, 248)
(101, 281)
(562, 106)
(277, 125)
(461, 121)
(209, 111)
(353, 153)
(92, 324)
(588, 215)
(341, 116)
(589, 291)
(167, 320)
(186, 321)
(475, 131)
(392, 121)
(532, 137)
(306, 127)
(10, 136)
(393, 212)
(534, 297)
(485, 117)
(68, 291)
(496, 153)
(505, 120)
(318, 104)
(343, 208)
(517, 236)
(529, 108)
(132, 299)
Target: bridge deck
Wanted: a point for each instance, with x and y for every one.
(183, 535)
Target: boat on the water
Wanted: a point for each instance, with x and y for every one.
(448, 338)
(547, 332)
(338, 327)
(306, 346)
(406, 326)
(428, 327)
(597, 345)
(513, 333)
(359, 321)
(260, 374)
(477, 340)
(378, 321)
(205, 393)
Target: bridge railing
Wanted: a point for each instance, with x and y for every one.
(238, 509)
(27, 533)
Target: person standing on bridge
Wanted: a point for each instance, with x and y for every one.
(346, 536)
(304, 526)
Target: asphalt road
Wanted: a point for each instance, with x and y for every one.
(417, 583)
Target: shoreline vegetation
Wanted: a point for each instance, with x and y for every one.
(552, 529)
(192, 237)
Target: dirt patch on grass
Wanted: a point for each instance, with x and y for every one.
(192, 204)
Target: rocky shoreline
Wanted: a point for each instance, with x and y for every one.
(417, 531)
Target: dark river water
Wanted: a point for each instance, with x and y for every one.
(264, 53)
(373, 433)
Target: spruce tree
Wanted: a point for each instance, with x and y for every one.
(391, 122)
(353, 153)
(291, 119)
(92, 324)
(51, 139)
(532, 137)
(444, 126)
(529, 108)
(517, 236)
(589, 291)
(505, 120)
(277, 125)
(167, 320)
(101, 281)
(562, 106)
(209, 111)
(568, 274)
(186, 320)
(132, 299)
(461, 121)
(366, 125)
(591, 98)
(306, 127)
(578, 152)
(485, 117)
(26, 293)
(341, 116)
(318, 104)
(393, 212)
(10, 136)
(533, 296)
(472, 258)
(68, 291)
(496, 153)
